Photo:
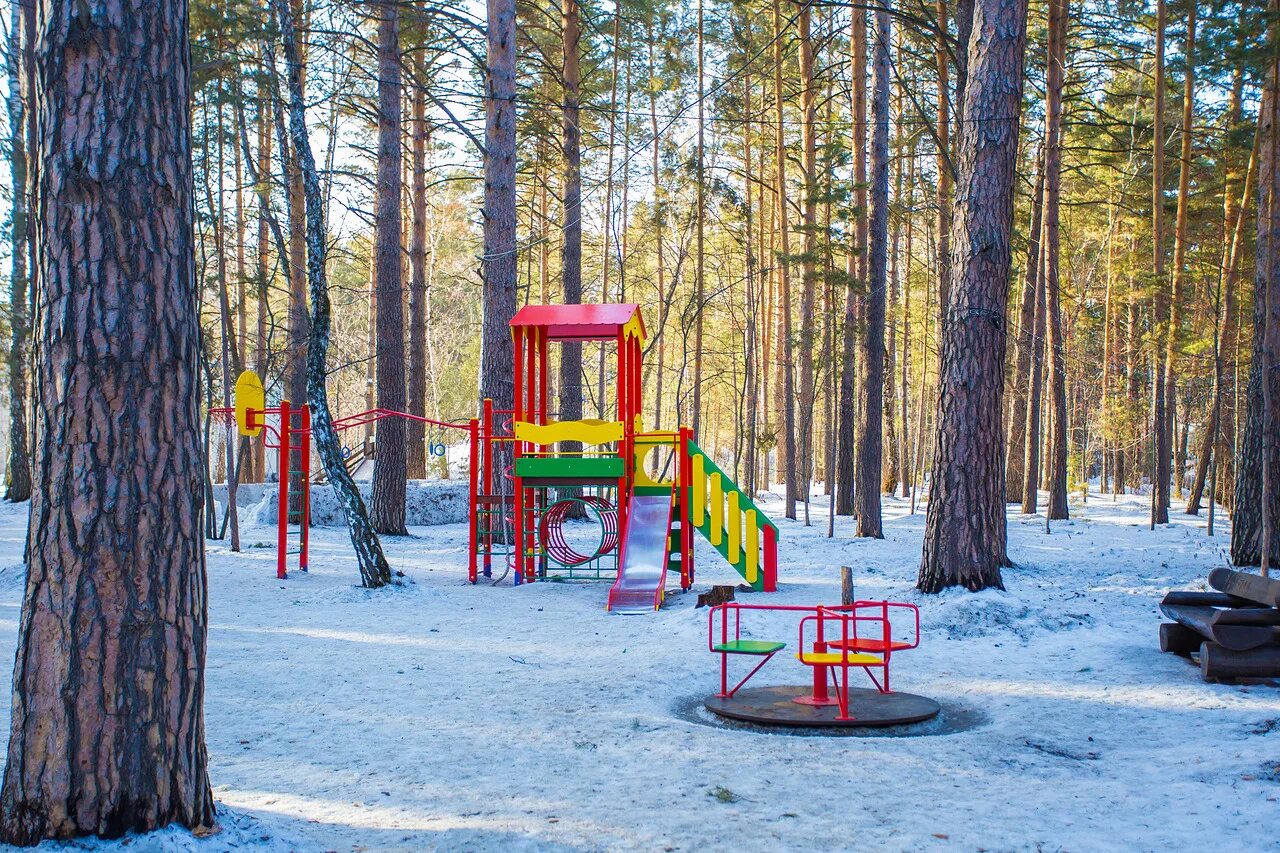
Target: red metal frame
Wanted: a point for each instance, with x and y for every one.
(286, 433)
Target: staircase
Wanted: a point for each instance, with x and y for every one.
(728, 519)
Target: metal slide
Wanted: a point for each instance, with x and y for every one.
(642, 560)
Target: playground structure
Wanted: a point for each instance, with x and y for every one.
(531, 475)
(535, 471)
(833, 641)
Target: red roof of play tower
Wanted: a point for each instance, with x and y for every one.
(580, 322)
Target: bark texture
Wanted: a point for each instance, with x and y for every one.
(107, 731)
(870, 450)
(1056, 348)
(965, 536)
(389, 464)
(497, 357)
(416, 433)
(18, 477)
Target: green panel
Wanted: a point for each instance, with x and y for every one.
(569, 467)
(749, 647)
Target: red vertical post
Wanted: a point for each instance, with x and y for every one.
(532, 372)
(542, 376)
(686, 496)
(473, 430)
(304, 538)
(282, 493)
(770, 559)
(517, 414)
(487, 484)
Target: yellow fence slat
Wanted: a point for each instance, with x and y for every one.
(733, 522)
(716, 499)
(752, 546)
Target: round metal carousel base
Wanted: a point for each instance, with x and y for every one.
(778, 706)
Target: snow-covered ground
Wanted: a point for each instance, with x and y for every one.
(445, 716)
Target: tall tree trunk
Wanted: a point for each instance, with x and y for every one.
(1180, 233)
(571, 252)
(389, 463)
(787, 440)
(808, 289)
(18, 477)
(1162, 437)
(1266, 365)
(699, 288)
(893, 447)
(870, 449)
(965, 534)
(416, 436)
(107, 728)
(945, 175)
(1032, 440)
(1028, 343)
(497, 355)
(263, 268)
(296, 349)
(846, 451)
(1058, 436)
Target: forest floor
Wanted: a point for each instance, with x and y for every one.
(440, 715)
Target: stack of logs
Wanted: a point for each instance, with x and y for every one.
(1235, 631)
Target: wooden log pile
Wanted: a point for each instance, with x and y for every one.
(1233, 632)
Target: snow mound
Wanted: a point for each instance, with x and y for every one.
(966, 615)
(427, 503)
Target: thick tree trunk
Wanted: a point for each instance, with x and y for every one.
(107, 728)
(389, 463)
(1058, 426)
(416, 432)
(870, 450)
(1267, 320)
(497, 357)
(374, 570)
(965, 534)
(1161, 434)
(18, 475)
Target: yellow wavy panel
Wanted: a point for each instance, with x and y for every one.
(588, 432)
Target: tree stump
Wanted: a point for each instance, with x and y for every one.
(717, 596)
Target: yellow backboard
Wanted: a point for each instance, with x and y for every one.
(250, 397)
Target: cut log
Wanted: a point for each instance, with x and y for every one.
(1178, 639)
(1247, 616)
(1234, 637)
(1217, 662)
(1255, 588)
(1197, 598)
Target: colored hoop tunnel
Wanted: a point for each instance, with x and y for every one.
(551, 530)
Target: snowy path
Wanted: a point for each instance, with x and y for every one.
(445, 716)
